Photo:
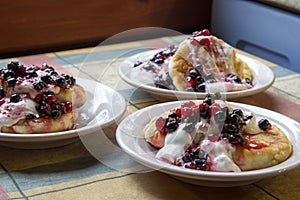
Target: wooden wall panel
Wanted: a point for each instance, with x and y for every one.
(32, 26)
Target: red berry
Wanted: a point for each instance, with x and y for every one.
(205, 32)
(203, 106)
(205, 41)
(51, 98)
(191, 81)
(178, 112)
(2, 101)
(68, 106)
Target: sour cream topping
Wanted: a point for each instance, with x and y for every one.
(11, 113)
(174, 144)
(220, 155)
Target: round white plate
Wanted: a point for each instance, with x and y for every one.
(104, 107)
(130, 137)
(263, 78)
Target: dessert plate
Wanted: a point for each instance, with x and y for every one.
(104, 107)
(131, 139)
(263, 78)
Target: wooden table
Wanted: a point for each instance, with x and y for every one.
(71, 172)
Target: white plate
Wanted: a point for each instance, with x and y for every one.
(263, 78)
(130, 137)
(104, 106)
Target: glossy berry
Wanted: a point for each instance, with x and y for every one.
(13, 65)
(11, 82)
(39, 85)
(171, 126)
(47, 78)
(205, 41)
(15, 98)
(239, 112)
(55, 114)
(61, 82)
(208, 100)
(51, 98)
(68, 106)
(31, 73)
(205, 32)
(204, 110)
(264, 124)
(8, 74)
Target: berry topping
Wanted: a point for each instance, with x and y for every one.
(195, 81)
(15, 98)
(171, 126)
(11, 82)
(39, 85)
(47, 78)
(264, 124)
(193, 158)
(205, 32)
(67, 107)
(61, 82)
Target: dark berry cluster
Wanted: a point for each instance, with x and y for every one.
(196, 81)
(48, 105)
(158, 58)
(193, 158)
(164, 54)
(161, 81)
(232, 123)
(16, 72)
(235, 79)
(189, 113)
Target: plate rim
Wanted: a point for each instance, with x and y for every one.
(61, 135)
(180, 95)
(211, 176)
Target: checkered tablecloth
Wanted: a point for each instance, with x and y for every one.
(71, 172)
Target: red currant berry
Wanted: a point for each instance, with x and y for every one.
(2, 101)
(205, 32)
(51, 98)
(68, 106)
(205, 41)
(178, 112)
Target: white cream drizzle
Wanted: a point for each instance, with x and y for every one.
(11, 113)
(174, 144)
(219, 152)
